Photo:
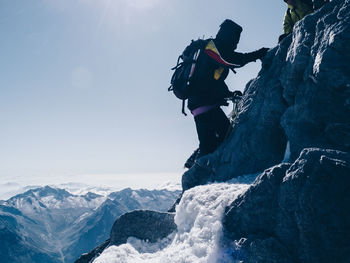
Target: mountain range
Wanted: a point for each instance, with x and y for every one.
(48, 224)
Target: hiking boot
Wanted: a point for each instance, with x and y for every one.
(190, 161)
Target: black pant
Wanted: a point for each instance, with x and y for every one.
(212, 128)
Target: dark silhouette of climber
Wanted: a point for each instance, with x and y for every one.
(210, 89)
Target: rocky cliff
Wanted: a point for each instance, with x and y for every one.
(294, 123)
(301, 96)
(295, 212)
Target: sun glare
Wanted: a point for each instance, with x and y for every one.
(142, 4)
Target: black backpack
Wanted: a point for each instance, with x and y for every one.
(185, 71)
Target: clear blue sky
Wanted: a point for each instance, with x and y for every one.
(84, 82)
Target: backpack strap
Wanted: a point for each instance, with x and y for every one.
(183, 107)
(214, 53)
(289, 14)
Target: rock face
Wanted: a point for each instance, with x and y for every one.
(295, 212)
(316, 81)
(142, 224)
(89, 257)
(145, 225)
(301, 95)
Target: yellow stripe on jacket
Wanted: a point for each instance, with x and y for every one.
(214, 53)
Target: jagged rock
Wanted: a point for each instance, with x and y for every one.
(142, 224)
(316, 81)
(172, 209)
(295, 213)
(89, 257)
(301, 95)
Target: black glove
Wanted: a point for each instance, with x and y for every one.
(281, 37)
(235, 94)
(262, 52)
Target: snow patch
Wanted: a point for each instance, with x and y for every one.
(199, 236)
(148, 247)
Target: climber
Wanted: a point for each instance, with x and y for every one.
(210, 90)
(297, 10)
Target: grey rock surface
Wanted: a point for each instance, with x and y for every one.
(146, 225)
(295, 212)
(317, 81)
(142, 224)
(301, 95)
(89, 257)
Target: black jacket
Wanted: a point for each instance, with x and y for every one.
(206, 90)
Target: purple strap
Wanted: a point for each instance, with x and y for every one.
(203, 109)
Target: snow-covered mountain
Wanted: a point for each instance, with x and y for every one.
(53, 224)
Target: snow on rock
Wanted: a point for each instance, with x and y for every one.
(199, 223)
(142, 224)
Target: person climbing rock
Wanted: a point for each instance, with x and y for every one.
(297, 10)
(209, 89)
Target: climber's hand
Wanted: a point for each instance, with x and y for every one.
(262, 52)
(237, 93)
